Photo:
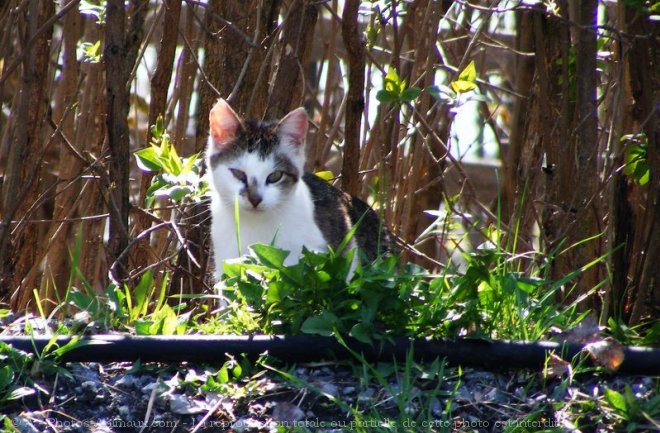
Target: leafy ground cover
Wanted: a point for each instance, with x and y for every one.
(491, 298)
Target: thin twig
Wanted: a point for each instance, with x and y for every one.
(229, 24)
(18, 59)
(199, 66)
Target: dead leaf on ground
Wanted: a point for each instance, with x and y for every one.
(557, 367)
(607, 353)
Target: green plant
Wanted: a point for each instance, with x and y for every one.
(142, 308)
(396, 90)
(315, 297)
(636, 158)
(176, 178)
(631, 412)
(19, 370)
(15, 382)
(494, 301)
(492, 298)
(464, 84)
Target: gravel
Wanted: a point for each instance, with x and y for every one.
(94, 397)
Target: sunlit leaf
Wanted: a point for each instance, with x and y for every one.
(393, 82)
(616, 400)
(19, 393)
(148, 159)
(174, 162)
(223, 374)
(466, 79)
(462, 86)
(189, 163)
(272, 256)
(469, 73)
(326, 175)
(636, 159)
(91, 51)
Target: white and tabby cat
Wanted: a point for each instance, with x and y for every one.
(261, 166)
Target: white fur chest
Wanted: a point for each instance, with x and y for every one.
(290, 226)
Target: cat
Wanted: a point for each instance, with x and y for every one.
(259, 167)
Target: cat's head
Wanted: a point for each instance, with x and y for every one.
(260, 163)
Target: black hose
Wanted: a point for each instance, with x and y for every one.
(491, 355)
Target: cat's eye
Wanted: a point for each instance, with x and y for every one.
(274, 177)
(238, 174)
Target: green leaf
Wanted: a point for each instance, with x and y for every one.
(148, 159)
(158, 129)
(237, 371)
(393, 87)
(269, 255)
(157, 184)
(362, 332)
(170, 322)
(92, 52)
(143, 327)
(176, 192)
(19, 393)
(411, 93)
(636, 161)
(275, 292)
(174, 165)
(140, 293)
(642, 173)
(323, 324)
(251, 292)
(223, 374)
(616, 400)
(386, 96)
(189, 163)
(372, 34)
(632, 403)
(6, 377)
(76, 343)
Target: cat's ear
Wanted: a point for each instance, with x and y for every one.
(294, 127)
(223, 124)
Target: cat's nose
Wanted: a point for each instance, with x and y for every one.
(254, 199)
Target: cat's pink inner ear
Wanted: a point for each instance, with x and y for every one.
(294, 125)
(223, 123)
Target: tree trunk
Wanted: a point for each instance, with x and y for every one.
(67, 199)
(116, 56)
(587, 197)
(21, 187)
(142, 252)
(645, 82)
(288, 85)
(350, 182)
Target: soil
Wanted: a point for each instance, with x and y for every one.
(122, 397)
